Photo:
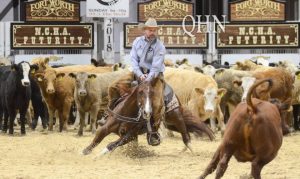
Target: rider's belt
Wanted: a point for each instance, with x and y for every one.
(145, 70)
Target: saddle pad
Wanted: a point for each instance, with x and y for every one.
(173, 104)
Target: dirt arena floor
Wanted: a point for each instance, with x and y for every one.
(58, 155)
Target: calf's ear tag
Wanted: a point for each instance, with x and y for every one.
(222, 94)
(298, 76)
(33, 71)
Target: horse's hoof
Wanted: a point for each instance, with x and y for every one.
(184, 149)
(189, 146)
(104, 151)
(86, 151)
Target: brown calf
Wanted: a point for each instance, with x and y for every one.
(253, 134)
(58, 92)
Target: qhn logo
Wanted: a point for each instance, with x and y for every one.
(211, 22)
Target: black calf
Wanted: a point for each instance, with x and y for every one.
(39, 107)
(4, 72)
(17, 94)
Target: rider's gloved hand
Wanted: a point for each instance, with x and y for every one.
(143, 77)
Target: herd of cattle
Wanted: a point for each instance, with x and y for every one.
(211, 92)
(237, 79)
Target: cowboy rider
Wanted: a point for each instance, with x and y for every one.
(147, 57)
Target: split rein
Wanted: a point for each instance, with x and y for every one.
(128, 119)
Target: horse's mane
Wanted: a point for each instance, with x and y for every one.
(130, 95)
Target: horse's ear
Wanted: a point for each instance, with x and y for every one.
(154, 81)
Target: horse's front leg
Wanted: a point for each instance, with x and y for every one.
(124, 139)
(110, 126)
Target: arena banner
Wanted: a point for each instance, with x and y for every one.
(258, 36)
(107, 8)
(31, 36)
(172, 36)
(256, 10)
(165, 10)
(52, 10)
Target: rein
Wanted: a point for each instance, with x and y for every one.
(125, 118)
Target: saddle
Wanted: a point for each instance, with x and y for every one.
(168, 94)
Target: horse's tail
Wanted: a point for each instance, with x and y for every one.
(194, 124)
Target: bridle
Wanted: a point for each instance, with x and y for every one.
(137, 119)
(127, 119)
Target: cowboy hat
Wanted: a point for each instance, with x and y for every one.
(150, 23)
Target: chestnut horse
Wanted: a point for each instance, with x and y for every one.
(145, 101)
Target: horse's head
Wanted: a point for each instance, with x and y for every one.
(150, 97)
